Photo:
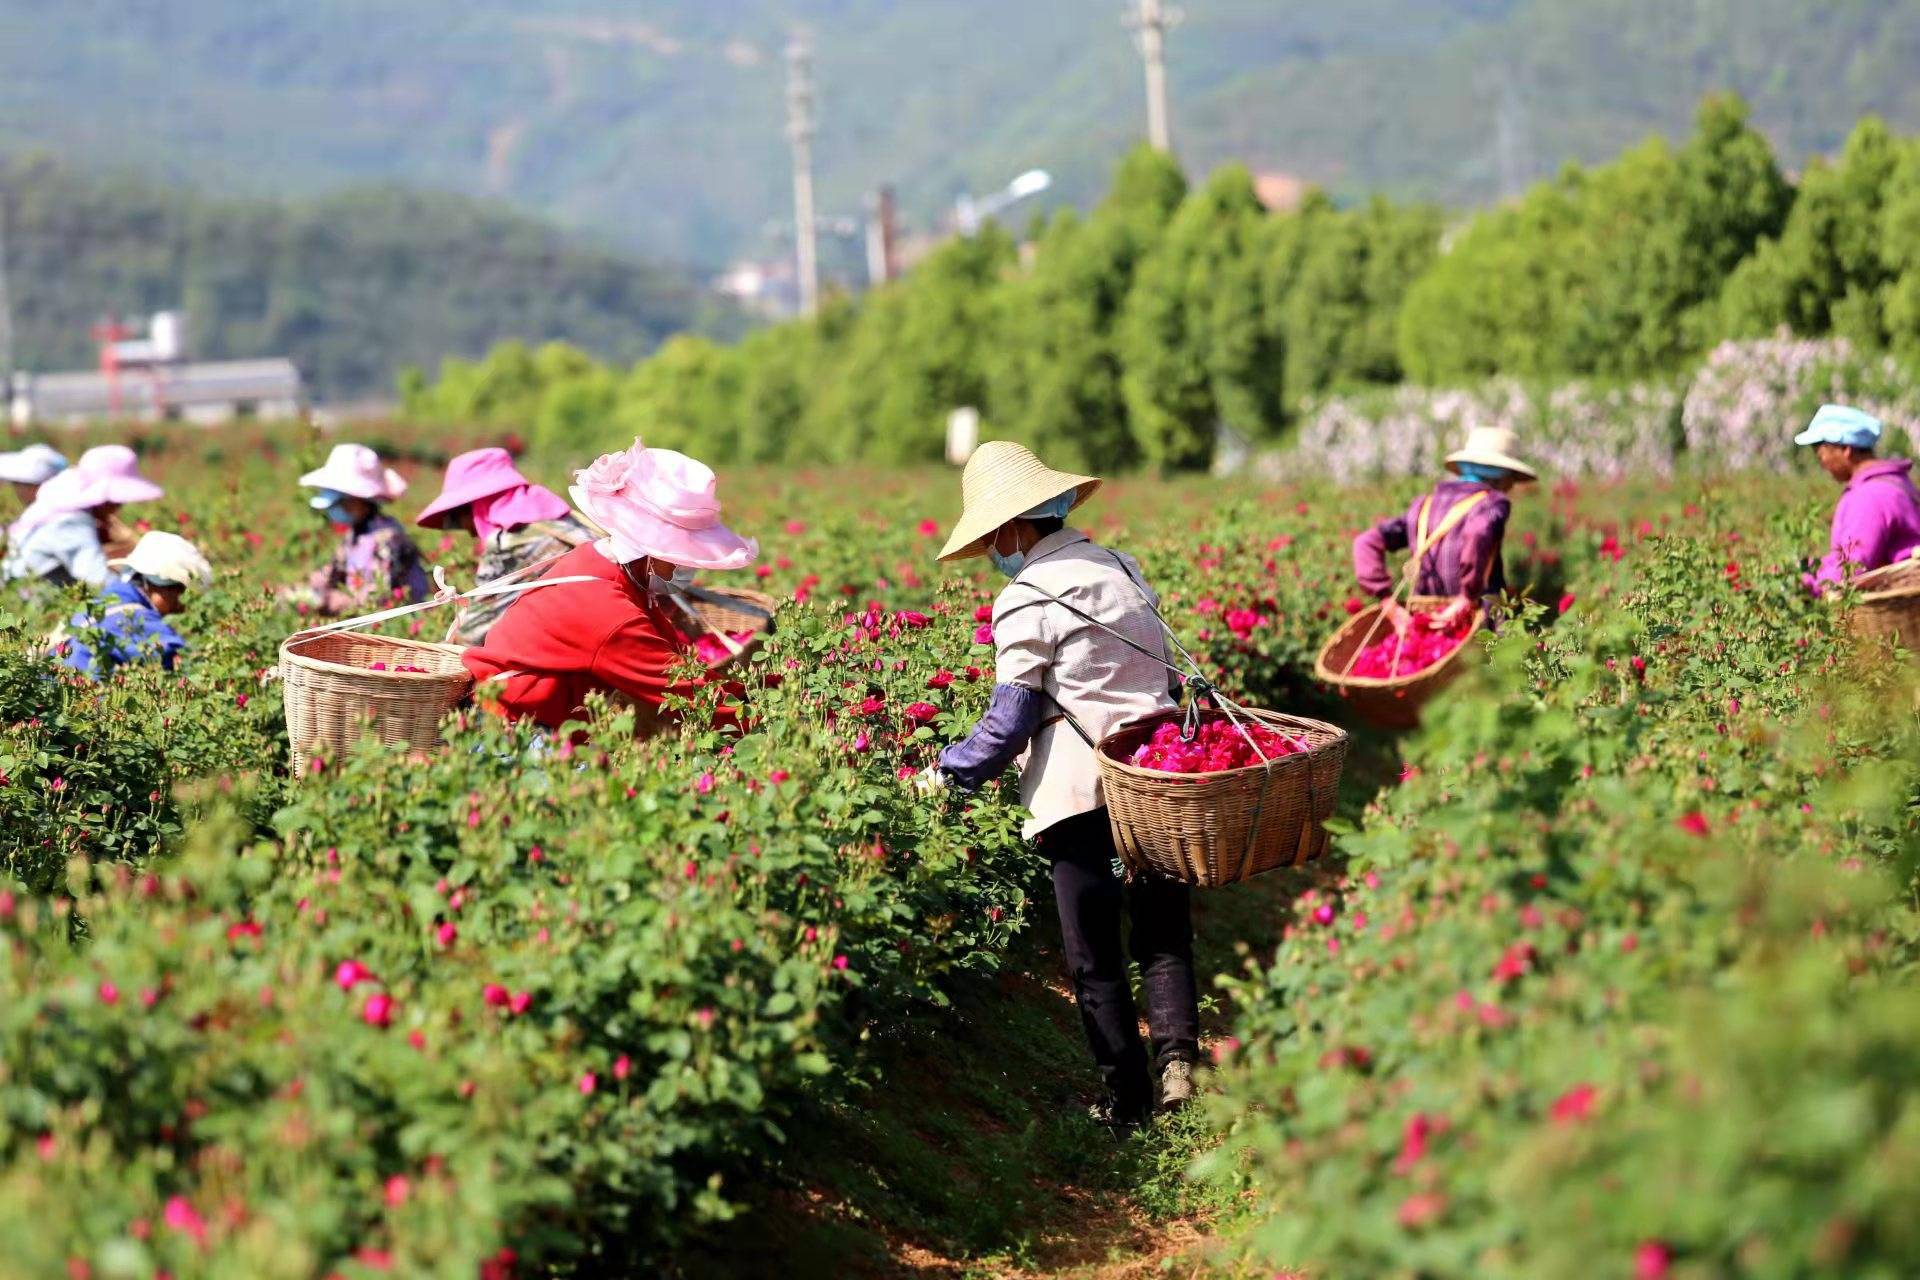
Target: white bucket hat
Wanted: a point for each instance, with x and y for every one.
(355, 470)
(35, 464)
(1003, 481)
(165, 557)
(1490, 447)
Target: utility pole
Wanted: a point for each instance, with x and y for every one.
(1150, 26)
(800, 131)
(882, 236)
(6, 324)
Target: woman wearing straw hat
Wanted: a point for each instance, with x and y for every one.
(615, 633)
(1067, 673)
(519, 524)
(1455, 533)
(376, 562)
(129, 622)
(73, 524)
(1877, 520)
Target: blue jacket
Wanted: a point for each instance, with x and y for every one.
(136, 630)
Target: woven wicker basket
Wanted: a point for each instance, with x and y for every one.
(1888, 607)
(1386, 704)
(333, 696)
(1210, 829)
(724, 617)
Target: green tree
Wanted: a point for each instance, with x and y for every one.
(1055, 379)
(1196, 343)
(1826, 271)
(686, 396)
(1337, 282)
(1900, 251)
(1613, 271)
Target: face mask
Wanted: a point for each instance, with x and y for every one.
(1008, 565)
(337, 513)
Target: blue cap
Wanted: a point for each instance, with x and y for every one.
(1839, 424)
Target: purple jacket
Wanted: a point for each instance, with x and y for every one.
(1465, 562)
(1876, 522)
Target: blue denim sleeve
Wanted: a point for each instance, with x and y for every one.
(1013, 717)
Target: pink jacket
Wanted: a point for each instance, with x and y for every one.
(1876, 522)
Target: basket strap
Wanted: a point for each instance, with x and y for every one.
(499, 588)
(1198, 686)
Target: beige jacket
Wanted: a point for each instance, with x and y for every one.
(1085, 671)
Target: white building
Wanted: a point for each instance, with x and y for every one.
(150, 380)
(204, 394)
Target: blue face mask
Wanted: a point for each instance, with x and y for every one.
(1054, 508)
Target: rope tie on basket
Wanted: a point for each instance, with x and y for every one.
(1192, 678)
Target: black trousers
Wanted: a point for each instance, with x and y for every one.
(1090, 897)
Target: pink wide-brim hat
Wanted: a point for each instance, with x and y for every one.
(355, 470)
(659, 503)
(472, 476)
(109, 473)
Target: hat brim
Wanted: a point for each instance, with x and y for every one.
(1504, 461)
(434, 514)
(976, 525)
(639, 534)
(391, 486)
(1814, 435)
(121, 490)
(11, 474)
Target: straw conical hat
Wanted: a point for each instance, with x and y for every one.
(1002, 481)
(1491, 447)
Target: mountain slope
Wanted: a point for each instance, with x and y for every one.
(352, 285)
(660, 125)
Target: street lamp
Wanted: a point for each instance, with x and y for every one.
(969, 213)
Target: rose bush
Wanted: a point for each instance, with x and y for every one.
(529, 1007)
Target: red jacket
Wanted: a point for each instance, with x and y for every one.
(564, 642)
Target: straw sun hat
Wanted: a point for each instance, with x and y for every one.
(1002, 481)
(1491, 447)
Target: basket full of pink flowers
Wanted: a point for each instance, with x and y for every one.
(1387, 678)
(1217, 797)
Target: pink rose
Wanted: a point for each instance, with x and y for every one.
(588, 1082)
(494, 994)
(378, 1010)
(350, 974)
(521, 1002)
(921, 712)
(445, 934)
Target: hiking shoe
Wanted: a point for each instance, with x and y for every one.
(1176, 1085)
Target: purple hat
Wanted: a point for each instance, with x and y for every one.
(473, 476)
